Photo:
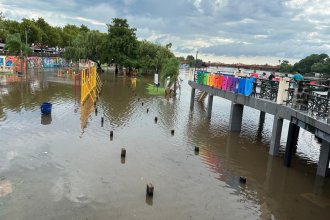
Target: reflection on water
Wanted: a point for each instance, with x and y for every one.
(86, 109)
(46, 119)
(5, 187)
(70, 169)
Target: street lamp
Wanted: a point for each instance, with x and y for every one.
(195, 65)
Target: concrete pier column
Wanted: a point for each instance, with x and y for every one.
(192, 98)
(236, 115)
(292, 136)
(295, 139)
(323, 164)
(262, 117)
(261, 124)
(209, 105)
(276, 136)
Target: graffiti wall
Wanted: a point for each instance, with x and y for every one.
(2, 60)
(10, 64)
(35, 62)
(52, 62)
(46, 62)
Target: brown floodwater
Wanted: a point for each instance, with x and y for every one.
(65, 166)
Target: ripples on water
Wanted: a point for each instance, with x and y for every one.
(65, 165)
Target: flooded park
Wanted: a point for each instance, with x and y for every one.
(66, 166)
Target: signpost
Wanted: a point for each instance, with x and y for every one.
(156, 80)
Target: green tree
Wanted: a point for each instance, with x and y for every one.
(45, 34)
(191, 60)
(319, 68)
(147, 52)
(162, 56)
(305, 65)
(9, 27)
(121, 44)
(170, 69)
(14, 45)
(83, 28)
(50, 36)
(2, 26)
(68, 34)
(322, 67)
(88, 45)
(77, 50)
(285, 67)
(168, 46)
(94, 44)
(152, 57)
(30, 31)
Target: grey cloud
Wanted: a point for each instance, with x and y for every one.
(255, 28)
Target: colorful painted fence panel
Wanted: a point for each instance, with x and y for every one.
(228, 83)
(88, 84)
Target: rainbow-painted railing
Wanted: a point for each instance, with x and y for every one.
(226, 82)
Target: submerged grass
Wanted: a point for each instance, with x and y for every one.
(152, 90)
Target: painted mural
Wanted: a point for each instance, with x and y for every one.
(46, 62)
(35, 62)
(2, 60)
(10, 64)
(50, 62)
(3, 67)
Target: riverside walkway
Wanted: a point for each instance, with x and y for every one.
(297, 110)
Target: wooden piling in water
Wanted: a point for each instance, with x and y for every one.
(123, 152)
(196, 149)
(150, 189)
(242, 179)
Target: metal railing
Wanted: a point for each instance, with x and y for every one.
(268, 89)
(312, 96)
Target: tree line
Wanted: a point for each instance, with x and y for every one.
(319, 63)
(119, 46)
(39, 32)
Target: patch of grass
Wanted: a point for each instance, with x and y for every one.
(152, 90)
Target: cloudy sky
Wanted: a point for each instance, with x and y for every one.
(231, 31)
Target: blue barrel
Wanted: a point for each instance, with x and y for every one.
(46, 108)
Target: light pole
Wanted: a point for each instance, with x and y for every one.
(26, 47)
(195, 64)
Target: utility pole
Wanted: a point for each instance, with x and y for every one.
(195, 65)
(25, 37)
(26, 47)
(21, 65)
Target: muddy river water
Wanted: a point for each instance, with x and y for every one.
(65, 166)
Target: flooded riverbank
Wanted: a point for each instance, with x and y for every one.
(66, 167)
